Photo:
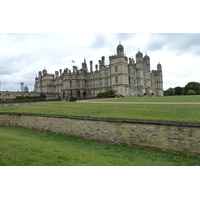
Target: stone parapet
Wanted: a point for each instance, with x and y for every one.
(168, 136)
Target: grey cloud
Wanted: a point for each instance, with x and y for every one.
(10, 64)
(180, 43)
(100, 41)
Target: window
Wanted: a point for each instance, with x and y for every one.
(116, 79)
(100, 83)
(116, 68)
(106, 82)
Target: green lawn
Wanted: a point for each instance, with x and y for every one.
(170, 112)
(186, 98)
(25, 147)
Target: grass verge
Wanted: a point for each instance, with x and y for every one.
(25, 147)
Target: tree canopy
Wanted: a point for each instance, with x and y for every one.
(178, 90)
(195, 86)
(169, 92)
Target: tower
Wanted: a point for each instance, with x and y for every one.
(22, 87)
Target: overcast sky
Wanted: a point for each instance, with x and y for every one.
(50, 34)
(22, 55)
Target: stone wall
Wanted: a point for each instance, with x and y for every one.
(169, 136)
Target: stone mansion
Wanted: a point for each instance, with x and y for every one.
(129, 77)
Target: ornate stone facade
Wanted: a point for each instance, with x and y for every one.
(129, 77)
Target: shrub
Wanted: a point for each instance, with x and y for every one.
(191, 92)
(107, 94)
(72, 99)
(43, 95)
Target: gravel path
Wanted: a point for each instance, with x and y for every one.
(96, 101)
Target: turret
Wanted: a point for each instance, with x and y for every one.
(39, 74)
(44, 72)
(139, 56)
(146, 61)
(159, 67)
(84, 66)
(120, 50)
(139, 60)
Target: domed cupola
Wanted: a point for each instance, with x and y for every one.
(147, 59)
(146, 56)
(120, 50)
(139, 54)
(44, 72)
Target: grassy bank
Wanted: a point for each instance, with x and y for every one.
(183, 98)
(24, 147)
(185, 113)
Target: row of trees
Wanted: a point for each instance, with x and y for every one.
(191, 88)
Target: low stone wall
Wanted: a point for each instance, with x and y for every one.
(169, 136)
(26, 103)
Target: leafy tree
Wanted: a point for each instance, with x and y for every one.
(195, 86)
(169, 92)
(191, 92)
(178, 90)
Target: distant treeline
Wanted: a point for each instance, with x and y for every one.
(191, 88)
